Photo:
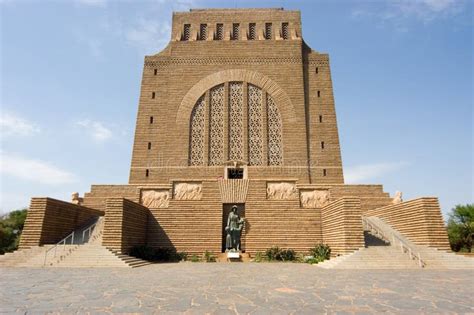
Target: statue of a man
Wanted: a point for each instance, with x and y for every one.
(234, 227)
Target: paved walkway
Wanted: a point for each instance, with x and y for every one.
(265, 288)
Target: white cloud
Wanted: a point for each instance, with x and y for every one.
(14, 125)
(34, 170)
(93, 3)
(96, 130)
(398, 12)
(361, 173)
(149, 35)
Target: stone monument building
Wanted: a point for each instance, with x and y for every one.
(236, 110)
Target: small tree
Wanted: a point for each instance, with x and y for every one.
(461, 227)
(11, 227)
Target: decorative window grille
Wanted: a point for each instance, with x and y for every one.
(216, 132)
(237, 135)
(196, 151)
(275, 156)
(252, 31)
(268, 30)
(236, 123)
(255, 125)
(203, 32)
(235, 31)
(187, 32)
(284, 31)
(219, 31)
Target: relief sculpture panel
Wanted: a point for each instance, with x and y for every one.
(156, 198)
(187, 191)
(314, 198)
(282, 191)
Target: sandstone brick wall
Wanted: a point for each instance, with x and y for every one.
(342, 225)
(192, 226)
(371, 196)
(125, 224)
(286, 69)
(49, 220)
(279, 222)
(99, 194)
(420, 220)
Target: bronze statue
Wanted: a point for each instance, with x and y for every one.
(234, 227)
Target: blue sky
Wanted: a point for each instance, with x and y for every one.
(70, 78)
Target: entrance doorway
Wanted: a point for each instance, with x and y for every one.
(226, 208)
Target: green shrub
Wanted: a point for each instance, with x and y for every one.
(259, 257)
(183, 256)
(166, 254)
(287, 255)
(143, 252)
(311, 260)
(209, 257)
(276, 253)
(273, 253)
(194, 258)
(163, 254)
(320, 252)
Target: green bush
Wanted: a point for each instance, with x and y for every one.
(163, 254)
(311, 260)
(183, 256)
(209, 257)
(272, 253)
(320, 252)
(259, 257)
(287, 255)
(276, 253)
(194, 258)
(143, 252)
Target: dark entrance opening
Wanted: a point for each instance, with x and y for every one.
(235, 173)
(226, 208)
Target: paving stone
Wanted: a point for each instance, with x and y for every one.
(214, 288)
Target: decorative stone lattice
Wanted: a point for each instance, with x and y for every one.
(282, 191)
(237, 135)
(255, 125)
(275, 156)
(216, 132)
(187, 191)
(196, 154)
(155, 198)
(236, 124)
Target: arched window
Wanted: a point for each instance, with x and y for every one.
(235, 121)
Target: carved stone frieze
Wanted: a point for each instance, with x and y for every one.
(187, 191)
(314, 198)
(282, 191)
(155, 198)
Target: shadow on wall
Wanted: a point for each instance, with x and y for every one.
(156, 236)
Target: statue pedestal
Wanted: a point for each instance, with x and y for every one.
(233, 255)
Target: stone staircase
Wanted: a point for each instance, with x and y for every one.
(377, 254)
(85, 251)
(380, 253)
(31, 257)
(96, 255)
